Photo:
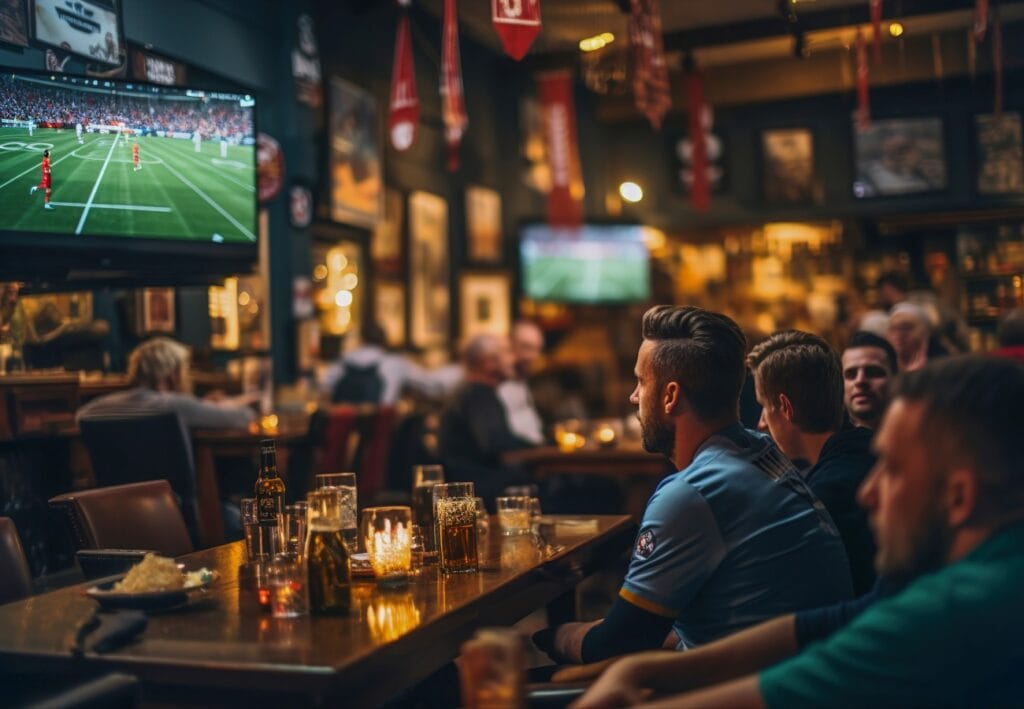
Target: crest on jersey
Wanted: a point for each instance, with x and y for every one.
(645, 544)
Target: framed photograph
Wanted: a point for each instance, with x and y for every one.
(483, 225)
(1000, 154)
(428, 264)
(13, 23)
(389, 306)
(485, 303)
(356, 169)
(386, 242)
(899, 156)
(157, 310)
(788, 166)
(87, 28)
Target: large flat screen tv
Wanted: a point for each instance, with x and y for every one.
(105, 168)
(592, 263)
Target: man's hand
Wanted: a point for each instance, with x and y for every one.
(618, 686)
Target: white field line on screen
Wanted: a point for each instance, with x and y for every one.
(34, 167)
(126, 207)
(227, 177)
(238, 224)
(96, 186)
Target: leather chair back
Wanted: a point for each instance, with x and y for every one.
(15, 577)
(135, 516)
(128, 449)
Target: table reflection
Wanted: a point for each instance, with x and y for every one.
(392, 615)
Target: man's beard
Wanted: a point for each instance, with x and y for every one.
(658, 436)
(928, 543)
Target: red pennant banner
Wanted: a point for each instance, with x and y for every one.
(453, 104)
(997, 64)
(876, 25)
(980, 19)
(700, 191)
(650, 75)
(404, 111)
(863, 100)
(558, 114)
(517, 22)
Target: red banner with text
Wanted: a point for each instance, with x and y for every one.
(558, 114)
(700, 190)
(404, 109)
(517, 22)
(453, 104)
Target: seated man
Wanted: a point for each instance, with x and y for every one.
(474, 425)
(799, 384)
(514, 392)
(946, 500)
(158, 371)
(732, 539)
(869, 363)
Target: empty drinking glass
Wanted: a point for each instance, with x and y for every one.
(295, 528)
(345, 484)
(262, 541)
(288, 588)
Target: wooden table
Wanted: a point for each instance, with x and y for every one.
(223, 650)
(637, 469)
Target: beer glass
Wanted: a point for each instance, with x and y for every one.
(345, 484)
(328, 558)
(455, 515)
(492, 670)
(424, 477)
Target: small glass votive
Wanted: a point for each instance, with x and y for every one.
(288, 590)
(607, 432)
(514, 514)
(569, 437)
(389, 543)
(294, 527)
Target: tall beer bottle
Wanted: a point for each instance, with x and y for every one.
(269, 486)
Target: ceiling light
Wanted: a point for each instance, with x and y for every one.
(599, 41)
(896, 29)
(631, 192)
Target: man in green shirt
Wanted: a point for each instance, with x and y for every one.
(946, 501)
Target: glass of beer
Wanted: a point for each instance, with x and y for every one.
(345, 484)
(514, 515)
(455, 515)
(328, 559)
(424, 477)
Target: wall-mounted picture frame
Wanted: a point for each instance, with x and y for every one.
(356, 168)
(485, 303)
(484, 237)
(899, 156)
(429, 296)
(156, 311)
(386, 241)
(13, 23)
(788, 172)
(1000, 154)
(389, 309)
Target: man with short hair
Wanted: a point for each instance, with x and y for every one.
(523, 419)
(869, 362)
(798, 383)
(733, 538)
(946, 501)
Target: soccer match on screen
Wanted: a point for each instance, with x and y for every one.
(98, 157)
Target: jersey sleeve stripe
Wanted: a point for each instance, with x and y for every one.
(649, 606)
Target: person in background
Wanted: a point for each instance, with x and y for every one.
(909, 333)
(946, 500)
(892, 287)
(158, 371)
(869, 363)
(799, 383)
(369, 374)
(1010, 335)
(474, 429)
(527, 347)
(732, 539)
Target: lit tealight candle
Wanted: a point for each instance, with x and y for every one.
(269, 423)
(388, 542)
(606, 435)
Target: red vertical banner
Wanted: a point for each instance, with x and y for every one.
(997, 64)
(700, 191)
(453, 104)
(517, 22)
(404, 109)
(980, 19)
(558, 114)
(650, 74)
(863, 99)
(876, 27)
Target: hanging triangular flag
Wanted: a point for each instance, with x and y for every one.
(453, 105)
(700, 191)
(980, 19)
(404, 109)
(650, 75)
(517, 22)
(875, 6)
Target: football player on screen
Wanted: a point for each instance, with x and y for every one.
(135, 156)
(45, 182)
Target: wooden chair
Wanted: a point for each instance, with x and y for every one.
(15, 577)
(356, 438)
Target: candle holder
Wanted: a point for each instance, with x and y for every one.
(569, 436)
(607, 432)
(388, 537)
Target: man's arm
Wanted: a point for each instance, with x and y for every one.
(739, 694)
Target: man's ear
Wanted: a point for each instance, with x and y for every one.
(785, 407)
(671, 397)
(961, 496)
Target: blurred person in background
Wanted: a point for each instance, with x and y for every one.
(892, 288)
(869, 363)
(527, 348)
(909, 333)
(1010, 335)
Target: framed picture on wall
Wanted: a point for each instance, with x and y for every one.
(356, 169)
(157, 310)
(386, 242)
(899, 156)
(788, 171)
(483, 225)
(428, 265)
(13, 23)
(389, 307)
(1000, 154)
(485, 303)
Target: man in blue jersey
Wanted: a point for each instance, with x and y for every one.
(732, 539)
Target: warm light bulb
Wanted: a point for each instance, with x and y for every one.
(631, 192)
(896, 29)
(343, 298)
